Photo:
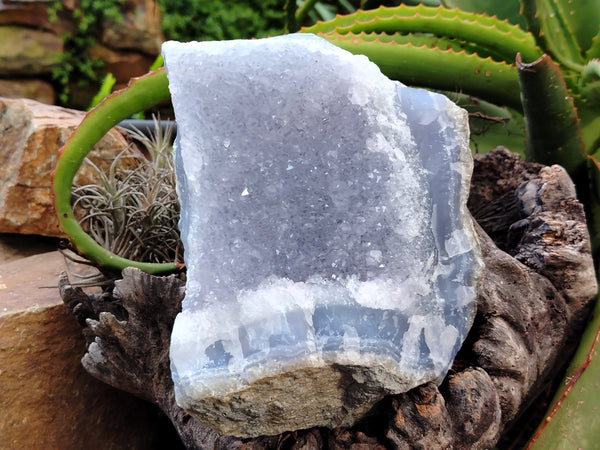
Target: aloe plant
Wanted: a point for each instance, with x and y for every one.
(549, 73)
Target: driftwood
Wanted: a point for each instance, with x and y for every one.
(534, 297)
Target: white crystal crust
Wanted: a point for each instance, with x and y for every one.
(323, 217)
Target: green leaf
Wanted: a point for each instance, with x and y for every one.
(594, 50)
(486, 32)
(431, 41)
(157, 64)
(105, 88)
(553, 133)
(496, 82)
(574, 421)
(590, 127)
(556, 30)
(583, 18)
(303, 10)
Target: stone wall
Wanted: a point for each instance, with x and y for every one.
(31, 45)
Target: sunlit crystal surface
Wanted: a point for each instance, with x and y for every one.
(323, 216)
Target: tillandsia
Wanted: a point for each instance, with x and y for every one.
(141, 93)
(133, 212)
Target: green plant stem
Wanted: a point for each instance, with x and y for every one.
(553, 132)
(306, 7)
(140, 94)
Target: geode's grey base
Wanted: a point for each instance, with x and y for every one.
(330, 395)
(325, 229)
(523, 331)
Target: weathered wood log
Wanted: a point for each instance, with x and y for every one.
(534, 297)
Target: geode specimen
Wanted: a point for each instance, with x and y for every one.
(331, 258)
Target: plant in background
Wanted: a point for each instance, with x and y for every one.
(76, 63)
(141, 94)
(218, 20)
(133, 213)
(553, 69)
(543, 72)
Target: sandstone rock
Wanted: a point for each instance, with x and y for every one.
(47, 399)
(17, 246)
(31, 52)
(139, 30)
(28, 281)
(32, 134)
(33, 14)
(39, 90)
(123, 65)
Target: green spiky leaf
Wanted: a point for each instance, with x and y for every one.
(574, 422)
(505, 10)
(489, 33)
(496, 82)
(550, 20)
(553, 132)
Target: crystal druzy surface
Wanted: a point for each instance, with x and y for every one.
(323, 217)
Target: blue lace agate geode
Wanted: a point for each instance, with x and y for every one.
(325, 229)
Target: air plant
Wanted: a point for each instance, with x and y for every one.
(142, 93)
(134, 212)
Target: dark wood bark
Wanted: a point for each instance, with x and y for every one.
(534, 296)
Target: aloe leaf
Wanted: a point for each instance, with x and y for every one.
(483, 31)
(594, 50)
(581, 16)
(553, 132)
(590, 130)
(304, 9)
(496, 82)
(550, 22)
(430, 41)
(573, 421)
(590, 86)
(141, 93)
(593, 207)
